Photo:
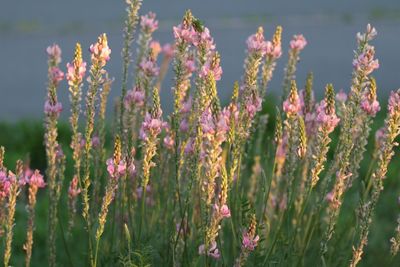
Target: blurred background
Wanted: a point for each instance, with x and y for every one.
(28, 27)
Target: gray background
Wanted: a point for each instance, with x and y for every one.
(27, 27)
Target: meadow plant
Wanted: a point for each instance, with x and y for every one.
(214, 183)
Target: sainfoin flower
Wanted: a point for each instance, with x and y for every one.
(326, 120)
(4, 185)
(394, 103)
(365, 62)
(116, 169)
(74, 190)
(54, 52)
(248, 242)
(298, 42)
(341, 96)
(370, 106)
(212, 250)
(56, 75)
(256, 42)
(100, 50)
(37, 180)
(184, 33)
(168, 50)
(222, 211)
(52, 109)
(212, 66)
(75, 73)
(149, 67)
(134, 97)
(149, 22)
(292, 104)
(150, 126)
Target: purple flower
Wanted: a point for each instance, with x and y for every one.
(149, 67)
(184, 33)
(134, 96)
(256, 43)
(150, 126)
(149, 22)
(116, 169)
(298, 42)
(394, 103)
(52, 109)
(248, 242)
(4, 185)
(36, 180)
(212, 251)
(169, 142)
(222, 211)
(56, 75)
(370, 106)
(365, 62)
(328, 121)
(341, 96)
(74, 190)
(54, 52)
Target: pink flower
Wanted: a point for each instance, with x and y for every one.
(36, 180)
(329, 197)
(190, 65)
(328, 121)
(212, 251)
(150, 127)
(394, 103)
(380, 136)
(149, 67)
(56, 75)
(169, 142)
(368, 36)
(370, 106)
(74, 190)
(204, 40)
(100, 50)
(184, 34)
(224, 211)
(187, 105)
(184, 125)
(272, 50)
(211, 67)
(25, 177)
(54, 52)
(134, 96)
(52, 110)
(116, 170)
(249, 243)
(292, 105)
(365, 62)
(298, 42)
(253, 105)
(155, 48)
(189, 148)
(149, 22)
(256, 43)
(75, 74)
(4, 185)
(168, 50)
(341, 96)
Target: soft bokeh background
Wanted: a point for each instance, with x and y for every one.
(27, 27)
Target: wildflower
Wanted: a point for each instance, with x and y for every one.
(369, 35)
(298, 42)
(204, 40)
(326, 119)
(77, 69)
(4, 185)
(256, 43)
(249, 242)
(212, 66)
(149, 67)
(212, 251)
(222, 211)
(274, 48)
(169, 142)
(370, 105)
(341, 96)
(74, 190)
(148, 22)
(134, 96)
(150, 127)
(54, 52)
(292, 105)
(36, 180)
(365, 62)
(116, 169)
(52, 109)
(184, 33)
(394, 103)
(100, 50)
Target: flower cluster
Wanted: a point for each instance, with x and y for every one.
(212, 251)
(148, 22)
(54, 53)
(100, 52)
(116, 169)
(4, 185)
(291, 106)
(298, 42)
(365, 62)
(134, 98)
(256, 43)
(77, 69)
